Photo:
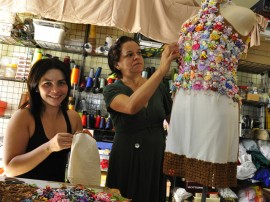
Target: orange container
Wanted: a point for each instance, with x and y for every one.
(3, 106)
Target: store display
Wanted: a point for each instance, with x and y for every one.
(203, 136)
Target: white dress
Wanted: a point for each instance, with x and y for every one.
(203, 138)
(203, 134)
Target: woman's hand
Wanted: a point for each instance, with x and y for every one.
(170, 52)
(60, 141)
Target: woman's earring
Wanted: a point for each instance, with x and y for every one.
(37, 91)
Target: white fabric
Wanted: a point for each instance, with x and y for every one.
(204, 126)
(242, 149)
(250, 145)
(84, 161)
(227, 193)
(180, 194)
(246, 170)
(264, 147)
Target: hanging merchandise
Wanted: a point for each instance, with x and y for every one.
(105, 48)
(108, 42)
(88, 48)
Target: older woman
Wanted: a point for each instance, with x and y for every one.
(138, 108)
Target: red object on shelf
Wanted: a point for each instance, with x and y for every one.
(3, 106)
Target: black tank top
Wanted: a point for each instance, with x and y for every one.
(54, 166)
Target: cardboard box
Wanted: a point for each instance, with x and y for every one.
(253, 97)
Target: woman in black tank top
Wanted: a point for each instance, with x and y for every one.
(39, 135)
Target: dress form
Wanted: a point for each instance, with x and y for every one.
(202, 142)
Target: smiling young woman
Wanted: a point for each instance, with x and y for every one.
(39, 134)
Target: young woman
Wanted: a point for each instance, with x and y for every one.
(39, 135)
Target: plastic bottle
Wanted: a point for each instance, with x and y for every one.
(71, 103)
(11, 70)
(37, 56)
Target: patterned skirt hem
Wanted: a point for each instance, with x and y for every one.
(205, 173)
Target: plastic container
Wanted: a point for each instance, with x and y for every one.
(3, 106)
(49, 31)
(11, 70)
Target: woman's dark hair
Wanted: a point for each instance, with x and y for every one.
(115, 53)
(37, 71)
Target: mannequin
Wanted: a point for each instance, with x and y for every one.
(203, 135)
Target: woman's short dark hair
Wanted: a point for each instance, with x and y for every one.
(37, 71)
(115, 53)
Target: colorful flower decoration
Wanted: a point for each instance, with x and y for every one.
(210, 51)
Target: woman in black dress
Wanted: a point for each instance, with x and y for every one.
(138, 107)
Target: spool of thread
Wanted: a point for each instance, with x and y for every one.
(97, 122)
(75, 75)
(71, 103)
(102, 123)
(67, 61)
(108, 123)
(110, 81)
(89, 82)
(144, 74)
(153, 69)
(91, 73)
(84, 120)
(101, 83)
(148, 70)
(83, 106)
(87, 121)
(91, 121)
(98, 72)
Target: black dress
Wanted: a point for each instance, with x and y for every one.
(135, 165)
(54, 166)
